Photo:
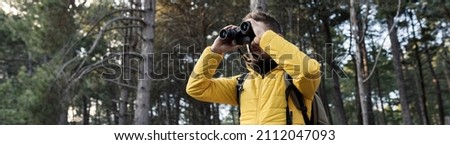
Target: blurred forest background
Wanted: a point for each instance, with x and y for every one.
(80, 61)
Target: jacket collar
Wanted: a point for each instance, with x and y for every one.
(263, 67)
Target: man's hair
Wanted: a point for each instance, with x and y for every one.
(266, 19)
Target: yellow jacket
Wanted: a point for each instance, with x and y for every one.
(263, 98)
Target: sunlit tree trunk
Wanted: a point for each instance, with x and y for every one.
(358, 57)
(141, 115)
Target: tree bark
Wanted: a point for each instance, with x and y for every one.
(141, 116)
(123, 98)
(367, 83)
(446, 68)
(359, 118)
(435, 80)
(437, 87)
(258, 5)
(177, 107)
(418, 100)
(232, 111)
(217, 114)
(446, 64)
(396, 52)
(86, 105)
(167, 108)
(324, 96)
(359, 68)
(123, 101)
(380, 96)
(422, 98)
(63, 108)
(338, 102)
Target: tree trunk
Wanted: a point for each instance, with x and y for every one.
(258, 5)
(396, 52)
(338, 102)
(435, 81)
(177, 107)
(130, 43)
(115, 113)
(367, 83)
(380, 96)
(123, 101)
(323, 95)
(359, 69)
(446, 68)
(232, 111)
(418, 110)
(97, 117)
(123, 98)
(63, 108)
(141, 116)
(438, 87)
(422, 98)
(359, 118)
(86, 105)
(217, 114)
(206, 114)
(167, 107)
(446, 64)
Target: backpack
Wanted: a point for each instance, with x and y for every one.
(318, 113)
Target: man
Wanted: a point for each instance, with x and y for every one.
(262, 100)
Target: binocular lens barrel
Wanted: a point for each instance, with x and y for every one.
(246, 27)
(223, 34)
(228, 34)
(242, 35)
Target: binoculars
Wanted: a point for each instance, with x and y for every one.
(239, 36)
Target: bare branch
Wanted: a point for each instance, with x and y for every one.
(98, 23)
(99, 36)
(384, 40)
(104, 28)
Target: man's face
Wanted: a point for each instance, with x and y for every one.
(256, 50)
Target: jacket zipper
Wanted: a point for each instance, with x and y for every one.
(259, 93)
(257, 120)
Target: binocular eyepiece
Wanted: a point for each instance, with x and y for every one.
(239, 36)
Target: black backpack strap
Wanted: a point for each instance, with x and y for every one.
(297, 97)
(288, 112)
(239, 89)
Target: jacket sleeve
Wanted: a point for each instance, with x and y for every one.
(304, 70)
(203, 87)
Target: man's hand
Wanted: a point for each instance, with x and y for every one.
(222, 46)
(259, 28)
